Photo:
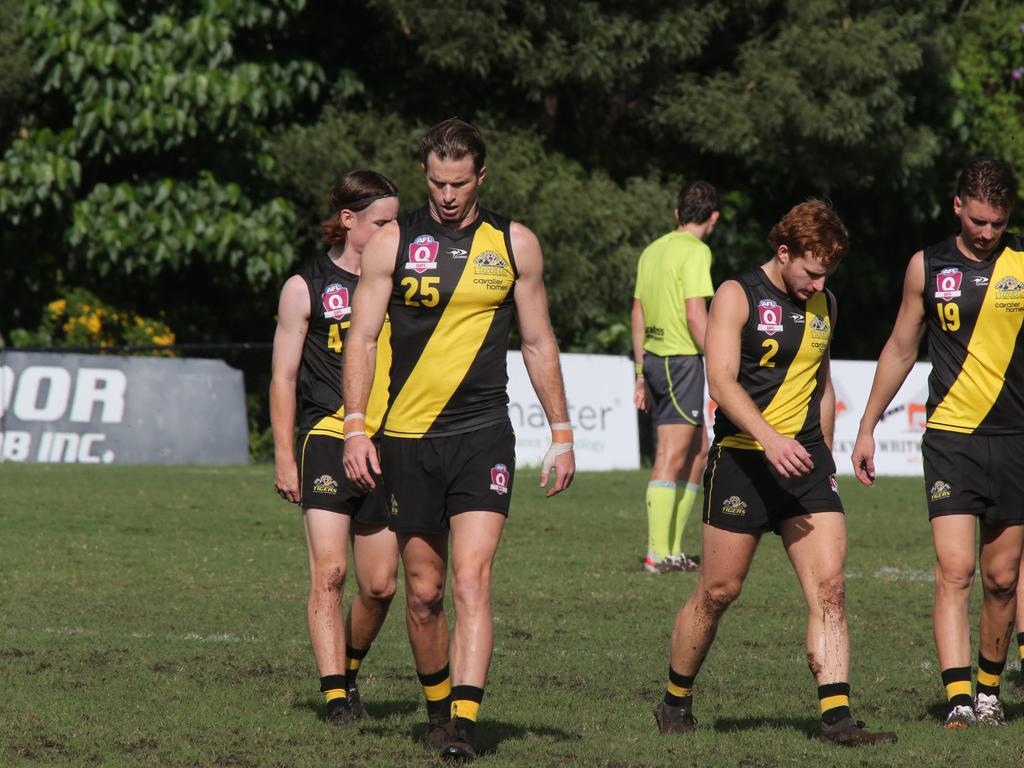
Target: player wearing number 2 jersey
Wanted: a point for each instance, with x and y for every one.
(314, 316)
(771, 468)
(450, 276)
(967, 292)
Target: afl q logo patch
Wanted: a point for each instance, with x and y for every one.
(499, 479)
(335, 299)
(947, 283)
(422, 254)
(769, 314)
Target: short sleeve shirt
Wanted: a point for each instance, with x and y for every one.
(672, 269)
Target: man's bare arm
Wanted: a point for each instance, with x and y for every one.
(894, 364)
(368, 310)
(697, 319)
(289, 338)
(540, 354)
(636, 325)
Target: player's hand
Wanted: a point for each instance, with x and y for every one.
(863, 458)
(286, 481)
(562, 460)
(361, 462)
(640, 395)
(787, 456)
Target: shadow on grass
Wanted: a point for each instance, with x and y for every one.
(489, 733)
(808, 726)
(316, 705)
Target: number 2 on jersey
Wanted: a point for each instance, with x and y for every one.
(949, 316)
(422, 291)
(773, 349)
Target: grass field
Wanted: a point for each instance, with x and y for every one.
(155, 617)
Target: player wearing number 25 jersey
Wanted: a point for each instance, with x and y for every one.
(967, 293)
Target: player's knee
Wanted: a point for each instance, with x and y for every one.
(380, 588)
(716, 598)
(330, 578)
(471, 586)
(1001, 584)
(832, 595)
(955, 578)
(424, 597)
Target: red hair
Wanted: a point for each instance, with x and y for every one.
(811, 228)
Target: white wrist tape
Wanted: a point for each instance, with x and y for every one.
(354, 434)
(354, 416)
(556, 450)
(562, 425)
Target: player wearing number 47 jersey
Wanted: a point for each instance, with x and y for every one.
(314, 316)
(451, 276)
(771, 468)
(967, 293)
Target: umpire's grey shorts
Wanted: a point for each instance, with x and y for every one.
(676, 384)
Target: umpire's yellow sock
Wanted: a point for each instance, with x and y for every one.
(661, 501)
(684, 505)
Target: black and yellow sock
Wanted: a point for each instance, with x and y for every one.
(465, 707)
(958, 686)
(989, 673)
(437, 689)
(834, 700)
(679, 691)
(355, 658)
(1020, 645)
(333, 689)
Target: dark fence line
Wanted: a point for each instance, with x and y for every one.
(186, 347)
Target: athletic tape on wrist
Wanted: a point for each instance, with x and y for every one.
(355, 434)
(352, 416)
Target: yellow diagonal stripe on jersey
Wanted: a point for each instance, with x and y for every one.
(989, 352)
(453, 345)
(787, 410)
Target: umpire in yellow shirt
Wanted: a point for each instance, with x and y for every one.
(673, 283)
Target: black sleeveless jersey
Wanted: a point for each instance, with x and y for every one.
(451, 310)
(974, 313)
(782, 346)
(331, 290)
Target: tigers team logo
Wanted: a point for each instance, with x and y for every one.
(819, 324)
(422, 254)
(335, 300)
(325, 484)
(833, 483)
(499, 479)
(947, 283)
(769, 314)
(491, 260)
(734, 505)
(940, 490)
(1010, 285)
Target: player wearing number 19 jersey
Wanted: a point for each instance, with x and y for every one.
(967, 293)
(770, 468)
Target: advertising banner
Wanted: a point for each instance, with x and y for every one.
(599, 390)
(87, 409)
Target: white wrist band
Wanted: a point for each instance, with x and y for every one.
(351, 416)
(562, 425)
(355, 434)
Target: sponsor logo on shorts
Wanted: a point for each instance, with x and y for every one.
(833, 483)
(457, 253)
(335, 300)
(393, 507)
(325, 484)
(499, 479)
(422, 254)
(940, 490)
(734, 505)
(947, 283)
(769, 314)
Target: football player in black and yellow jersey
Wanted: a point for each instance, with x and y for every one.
(770, 467)
(967, 293)
(451, 276)
(314, 315)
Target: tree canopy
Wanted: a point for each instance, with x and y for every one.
(174, 158)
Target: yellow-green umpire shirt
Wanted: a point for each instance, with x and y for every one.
(672, 269)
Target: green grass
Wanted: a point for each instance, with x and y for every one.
(155, 616)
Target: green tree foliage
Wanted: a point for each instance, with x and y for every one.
(146, 156)
(988, 79)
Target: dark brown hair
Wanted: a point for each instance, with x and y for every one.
(989, 181)
(355, 191)
(455, 139)
(697, 201)
(811, 228)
